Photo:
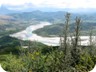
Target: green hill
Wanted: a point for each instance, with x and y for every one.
(57, 29)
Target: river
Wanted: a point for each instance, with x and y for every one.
(28, 34)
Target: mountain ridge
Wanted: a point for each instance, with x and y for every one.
(28, 7)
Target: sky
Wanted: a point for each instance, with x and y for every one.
(53, 3)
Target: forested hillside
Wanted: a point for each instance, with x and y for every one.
(38, 57)
(56, 29)
(47, 35)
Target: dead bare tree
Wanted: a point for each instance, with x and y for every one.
(66, 31)
(75, 49)
(91, 43)
(65, 46)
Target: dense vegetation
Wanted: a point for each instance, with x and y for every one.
(41, 58)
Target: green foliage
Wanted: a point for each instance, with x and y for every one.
(86, 63)
(13, 64)
(37, 61)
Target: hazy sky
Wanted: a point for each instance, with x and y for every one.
(54, 3)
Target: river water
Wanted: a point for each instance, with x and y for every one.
(28, 34)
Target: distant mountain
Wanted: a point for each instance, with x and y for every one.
(5, 10)
(52, 16)
(29, 7)
(39, 15)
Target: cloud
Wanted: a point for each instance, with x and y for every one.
(54, 3)
(71, 3)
